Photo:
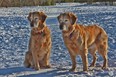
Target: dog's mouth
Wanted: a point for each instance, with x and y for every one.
(63, 27)
(32, 24)
(37, 29)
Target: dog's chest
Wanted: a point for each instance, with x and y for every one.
(77, 41)
(73, 38)
(73, 45)
(39, 41)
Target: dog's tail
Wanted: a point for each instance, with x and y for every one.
(102, 37)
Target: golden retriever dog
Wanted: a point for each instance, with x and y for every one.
(38, 54)
(80, 39)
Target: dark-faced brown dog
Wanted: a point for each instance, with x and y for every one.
(38, 54)
(80, 39)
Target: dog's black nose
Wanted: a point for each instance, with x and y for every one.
(61, 27)
(32, 25)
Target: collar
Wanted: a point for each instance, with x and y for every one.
(71, 34)
(72, 31)
(37, 31)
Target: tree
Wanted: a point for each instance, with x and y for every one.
(68, 0)
(4, 3)
(89, 1)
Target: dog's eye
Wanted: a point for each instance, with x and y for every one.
(60, 20)
(36, 18)
(66, 20)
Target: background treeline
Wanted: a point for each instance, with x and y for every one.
(19, 3)
(88, 1)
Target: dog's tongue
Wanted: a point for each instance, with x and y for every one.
(64, 28)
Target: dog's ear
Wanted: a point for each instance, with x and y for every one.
(58, 17)
(73, 18)
(43, 17)
(29, 16)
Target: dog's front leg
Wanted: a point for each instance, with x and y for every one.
(34, 56)
(36, 62)
(85, 61)
(84, 57)
(73, 59)
(46, 59)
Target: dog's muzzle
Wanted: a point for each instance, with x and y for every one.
(63, 26)
(32, 23)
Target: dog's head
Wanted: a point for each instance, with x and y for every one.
(37, 19)
(66, 20)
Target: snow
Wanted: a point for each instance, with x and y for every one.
(15, 33)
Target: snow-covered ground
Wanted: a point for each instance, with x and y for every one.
(15, 33)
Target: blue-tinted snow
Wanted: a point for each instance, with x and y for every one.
(15, 34)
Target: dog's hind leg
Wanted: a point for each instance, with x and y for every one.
(27, 59)
(26, 63)
(94, 60)
(102, 46)
(102, 49)
(92, 50)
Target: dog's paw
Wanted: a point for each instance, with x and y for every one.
(48, 66)
(73, 70)
(37, 68)
(105, 68)
(92, 65)
(85, 69)
(27, 65)
(32, 66)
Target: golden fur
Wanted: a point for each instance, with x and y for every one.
(80, 39)
(40, 42)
